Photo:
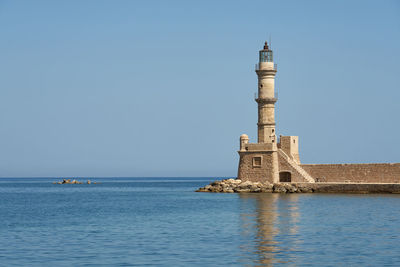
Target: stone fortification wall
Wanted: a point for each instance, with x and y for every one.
(258, 166)
(354, 173)
(284, 166)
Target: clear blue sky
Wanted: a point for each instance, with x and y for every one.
(165, 88)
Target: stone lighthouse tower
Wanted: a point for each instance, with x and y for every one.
(259, 161)
(266, 99)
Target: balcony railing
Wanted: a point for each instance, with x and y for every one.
(258, 66)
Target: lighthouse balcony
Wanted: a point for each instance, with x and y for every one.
(266, 66)
(266, 100)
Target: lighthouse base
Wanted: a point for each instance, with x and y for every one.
(259, 163)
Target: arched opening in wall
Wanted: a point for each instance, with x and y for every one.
(285, 177)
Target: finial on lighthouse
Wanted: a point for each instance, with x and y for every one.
(266, 46)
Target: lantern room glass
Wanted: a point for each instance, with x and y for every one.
(266, 56)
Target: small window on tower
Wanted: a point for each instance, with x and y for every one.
(257, 162)
(294, 141)
(273, 130)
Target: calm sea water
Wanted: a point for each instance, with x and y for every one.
(161, 221)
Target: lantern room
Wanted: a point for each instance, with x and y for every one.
(266, 54)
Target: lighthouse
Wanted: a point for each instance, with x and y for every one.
(259, 161)
(266, 97)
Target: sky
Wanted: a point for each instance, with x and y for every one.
(165, 88)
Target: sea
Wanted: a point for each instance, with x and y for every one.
(164, 222)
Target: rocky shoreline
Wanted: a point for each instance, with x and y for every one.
(238, 186)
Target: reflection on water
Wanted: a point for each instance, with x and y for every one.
(125, 222)
(269, 224)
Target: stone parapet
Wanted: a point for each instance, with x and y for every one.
(253, 147)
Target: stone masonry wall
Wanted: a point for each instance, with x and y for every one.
(290, 145)
(284, 166)
(248, 172)
(354, 173)
(284, 144)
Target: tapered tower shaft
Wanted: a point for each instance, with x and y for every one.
(266, 98)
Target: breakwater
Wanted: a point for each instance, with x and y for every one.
(238, 186)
